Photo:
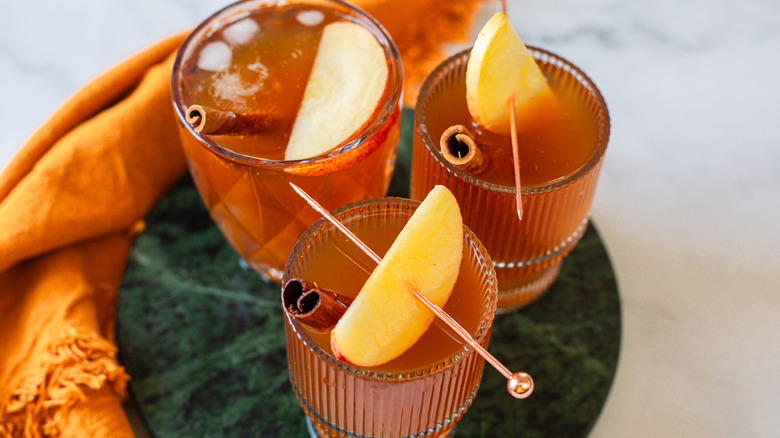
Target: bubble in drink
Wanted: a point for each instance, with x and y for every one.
(215, 56)
(241, 32)
(310, 18)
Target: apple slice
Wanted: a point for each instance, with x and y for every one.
(346, 83)
(500, 67)
(386, 319)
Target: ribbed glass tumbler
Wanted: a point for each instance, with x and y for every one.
(527, 254)
(417, 395)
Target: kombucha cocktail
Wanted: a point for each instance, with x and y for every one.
(255, 60)
(422, 392)
(561, 147)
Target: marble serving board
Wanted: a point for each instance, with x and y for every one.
(203, 339)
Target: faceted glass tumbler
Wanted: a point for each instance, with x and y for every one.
(249, 198)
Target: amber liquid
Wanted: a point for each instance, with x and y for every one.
(340, 266)
(557, 140)
(554, 138)
(424, 391)
(250, 200)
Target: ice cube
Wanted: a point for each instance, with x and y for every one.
(310, 18)
(215, 56)
(241, 32)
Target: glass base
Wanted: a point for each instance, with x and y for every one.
(517, 288)
(310, 428)
(313, 431)
(518, 297)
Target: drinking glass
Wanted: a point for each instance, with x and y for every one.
(425, 391)
(527, 253)
(248, 197)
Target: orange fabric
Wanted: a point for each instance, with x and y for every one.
(71, 201)
(422, 31)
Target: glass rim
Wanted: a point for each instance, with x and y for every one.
(483, 327)
(391, 103)
(420, 124)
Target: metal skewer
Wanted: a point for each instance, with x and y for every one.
(516, 157)
(515, 151)
(520, 385)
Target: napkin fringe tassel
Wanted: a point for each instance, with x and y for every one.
(80, 359)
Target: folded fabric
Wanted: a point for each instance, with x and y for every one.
(72, 200)
(70, 203)
(424, 31)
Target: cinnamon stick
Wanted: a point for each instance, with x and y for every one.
(457, 145)
(211, 121)
(319, 309)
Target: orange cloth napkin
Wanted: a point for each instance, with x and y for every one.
(423, 31)
(72, 200)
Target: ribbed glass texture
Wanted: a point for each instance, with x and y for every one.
(527, 254)
(342, 400)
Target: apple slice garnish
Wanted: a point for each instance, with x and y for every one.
(345, 86)
(386, 319)
(388, 132)
(499, 68)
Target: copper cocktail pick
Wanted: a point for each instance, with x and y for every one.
(520, 384)
(516, 157)
(515, 151)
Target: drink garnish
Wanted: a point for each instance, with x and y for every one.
(520, 385)
(385, 319)
(210, 121)
(317, 308)
(343, 92)
(501, 67)
(502, 81)
(457, 146)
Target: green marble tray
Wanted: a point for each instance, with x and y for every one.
(203, 340)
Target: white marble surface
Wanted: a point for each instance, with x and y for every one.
(689, 197)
